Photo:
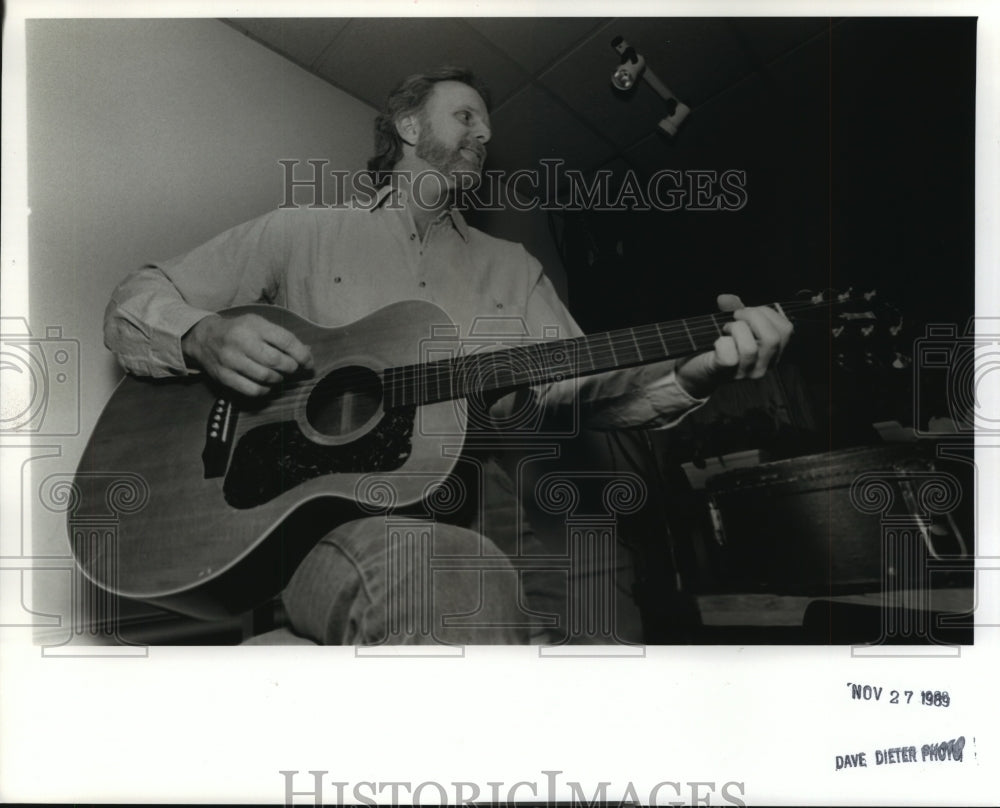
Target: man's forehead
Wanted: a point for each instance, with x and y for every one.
(457, 93)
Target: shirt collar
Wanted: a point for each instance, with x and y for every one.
(387, 190)
(458, 221)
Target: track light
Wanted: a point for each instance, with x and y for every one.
(632, 67)
(629, 70)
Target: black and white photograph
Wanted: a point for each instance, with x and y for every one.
(457, 405)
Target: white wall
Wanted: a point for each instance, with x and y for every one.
(146, 138)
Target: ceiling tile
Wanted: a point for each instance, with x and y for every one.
(532, 126)
(651, 154)
(731, 125)
(534, 42)
(372, 55)
(583, 81)
(301, 40)
(696, 58)
(573, 113)
(729, 132)
(767, 38)
(800, 79)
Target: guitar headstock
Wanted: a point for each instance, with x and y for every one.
(864, 331)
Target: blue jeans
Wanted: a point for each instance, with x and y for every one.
(394, 580)
(374, 581)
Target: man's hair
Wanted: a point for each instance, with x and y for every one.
(409, 96)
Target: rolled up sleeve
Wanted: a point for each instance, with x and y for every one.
(155, 306)
(144, 323)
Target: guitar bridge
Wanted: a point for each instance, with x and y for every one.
(219, 433)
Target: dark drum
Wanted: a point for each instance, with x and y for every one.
(853, 520)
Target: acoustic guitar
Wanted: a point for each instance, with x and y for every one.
(219, 498)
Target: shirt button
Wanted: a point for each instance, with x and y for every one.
(413, 236)
(422, 284)
(499, 305)
(337, 279)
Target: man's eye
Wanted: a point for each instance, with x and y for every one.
(464, 116)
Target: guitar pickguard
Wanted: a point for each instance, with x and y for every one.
(272, 459)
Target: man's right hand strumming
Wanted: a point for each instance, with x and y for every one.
(247, 353)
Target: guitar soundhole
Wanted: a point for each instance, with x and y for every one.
(344, 400)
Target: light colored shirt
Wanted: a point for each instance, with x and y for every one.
(335, 265)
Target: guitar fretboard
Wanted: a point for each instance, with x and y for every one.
(538, 363)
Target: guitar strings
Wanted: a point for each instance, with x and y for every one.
(405, 382)
(410, 384)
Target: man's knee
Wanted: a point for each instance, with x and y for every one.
(384, 581)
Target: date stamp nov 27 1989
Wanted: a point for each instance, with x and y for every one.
(952, 749)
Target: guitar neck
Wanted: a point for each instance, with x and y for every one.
(528, 365)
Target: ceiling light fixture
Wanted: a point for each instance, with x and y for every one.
(632, 67)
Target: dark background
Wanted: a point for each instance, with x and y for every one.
(859, 175)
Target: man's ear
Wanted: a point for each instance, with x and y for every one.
(408, 128)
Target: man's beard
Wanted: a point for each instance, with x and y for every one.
(450, 161)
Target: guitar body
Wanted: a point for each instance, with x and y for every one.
(218, 501)
(213, 502)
